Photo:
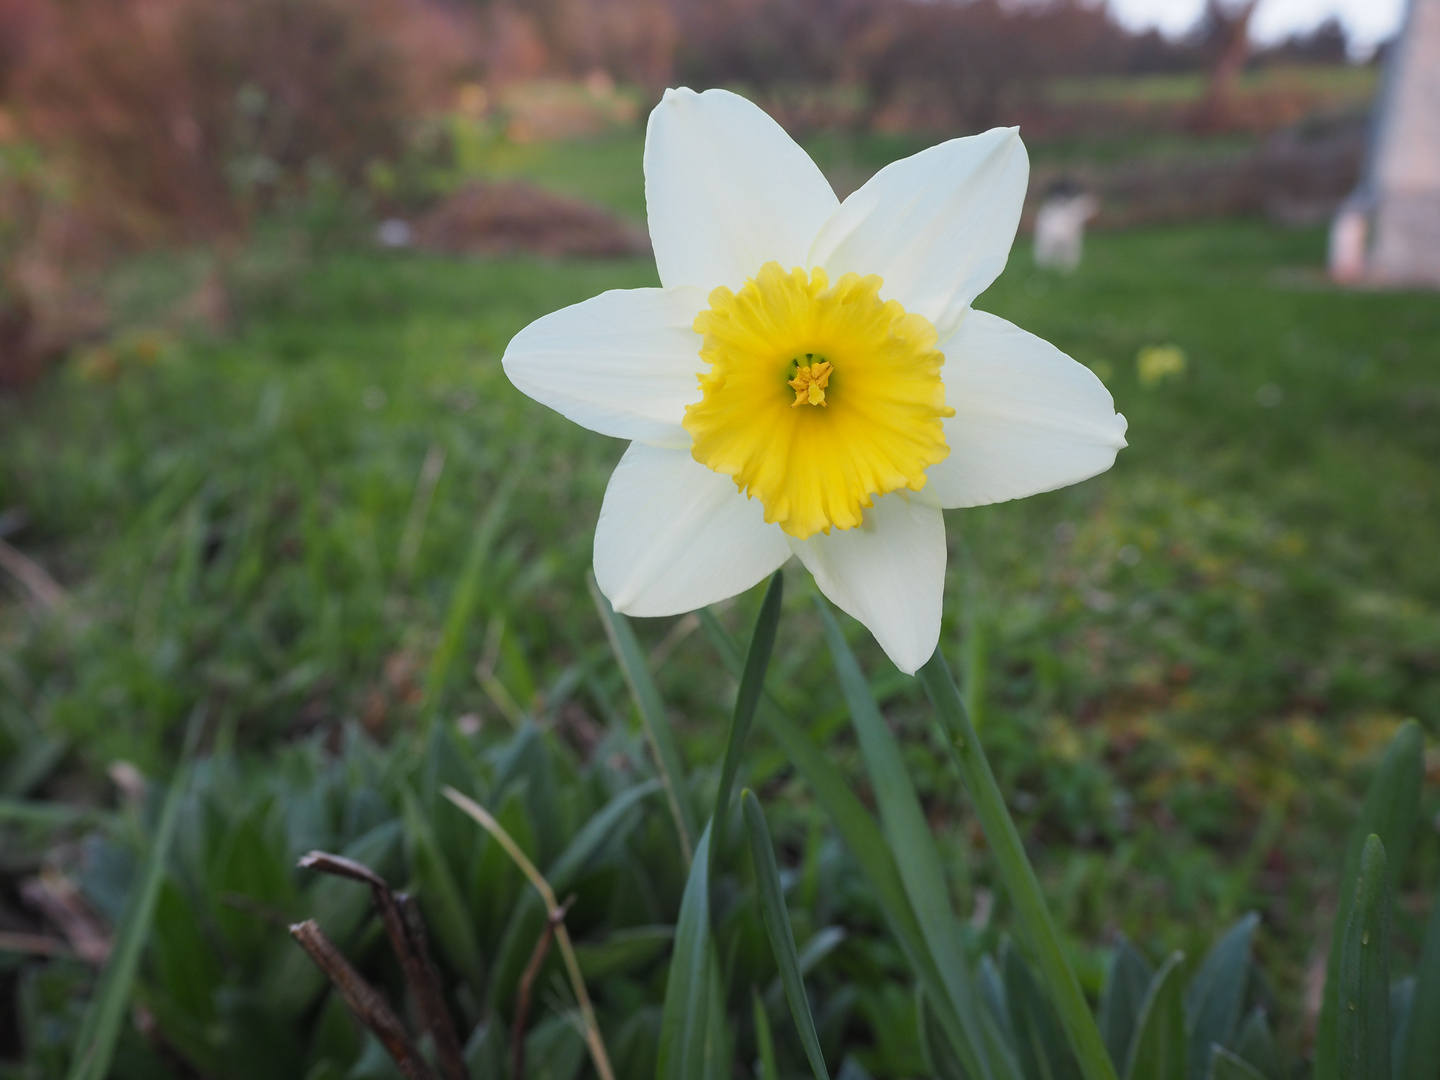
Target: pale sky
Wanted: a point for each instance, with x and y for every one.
(1368, 21)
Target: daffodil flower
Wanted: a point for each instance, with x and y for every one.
(811, 379)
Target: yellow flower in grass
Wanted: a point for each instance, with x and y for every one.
(1156, 363)
(811, 379)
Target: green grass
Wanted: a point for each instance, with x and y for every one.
(603, 170)
(1184, 668)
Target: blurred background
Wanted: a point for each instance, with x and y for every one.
(128, 127)
(260, 473)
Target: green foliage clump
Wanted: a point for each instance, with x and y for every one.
(1183, 670)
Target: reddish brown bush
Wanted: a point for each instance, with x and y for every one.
(42, 239)
(632, 40)
(174, 120)
(182, 115)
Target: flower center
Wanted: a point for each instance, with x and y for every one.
(810, 382)
(787, 340)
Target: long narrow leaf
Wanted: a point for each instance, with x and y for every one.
(100, 1028)
(440, 897)
(821, 944)
(908, 833)
(1402, 998)
(1256, 1045)
(1362, 1042)
(777, 926)
(624, 951)
(51, 815)
(527, 917)
(864, 839)
(1158, 1050)
(571, 862)
(1018, 875)
(1392, 806)
(764, 1038)
(1216, 994)
(752, 685)
(1126, 982)
(652, 715)
(598, 1054)
(1419, 1057)
(1224, 1065)
(939, 1054)
(466, 594)
(1039, 1041)
(685, 1020)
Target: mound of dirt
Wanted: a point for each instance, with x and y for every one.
(501, 219)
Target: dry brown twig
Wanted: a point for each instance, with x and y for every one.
(53, 895)
(406, 930)
(34, 945)
(527, 987)
(364, 1000)
(43, 588)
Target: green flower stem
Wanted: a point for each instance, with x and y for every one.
(1020, 881)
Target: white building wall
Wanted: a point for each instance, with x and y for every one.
(1404, 178)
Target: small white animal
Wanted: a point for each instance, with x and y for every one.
(1348, 236)
(1060, 228)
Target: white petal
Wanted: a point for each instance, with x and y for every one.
(889, 573)
(727, 190)
(623, 363)
(674, 536)
(1027, 417)
(937, 226)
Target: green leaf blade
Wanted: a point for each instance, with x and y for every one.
(466, 595)
(601, 827)
(860, 834)
(777, 927)
(100, 1027)
(764, 1038)
(1224, 1065)
(1216, 994)
(652, 714)
(1256, 1045)
(747, 699)
(686, 1018)
(1040, 1042)
(438, 894)
(1158, 1049)
(1419, 1056)
(1362, 1045)
(908, 832)
(1121, 999)
(1391, 809)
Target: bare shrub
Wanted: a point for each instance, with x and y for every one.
(183, 116)
(43, 240)
(633, 41)
(175, 121)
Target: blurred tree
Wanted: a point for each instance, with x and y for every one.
(632, 41)
(182, 117)
(1328, 43)
(1224, 33)
(918, 63)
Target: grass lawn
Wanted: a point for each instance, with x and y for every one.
(1184, 667)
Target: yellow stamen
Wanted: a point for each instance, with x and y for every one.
(873, 367)
(809, 384)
